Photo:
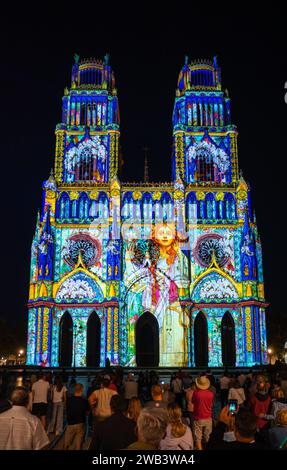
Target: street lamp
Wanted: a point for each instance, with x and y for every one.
(269, 350)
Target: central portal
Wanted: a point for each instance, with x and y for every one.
(147, 341)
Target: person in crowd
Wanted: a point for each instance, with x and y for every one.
(151, 428)
(189, 404)
(19, 429)
(186, 381)
(260, 402)
(113, 385)
(157, 398)
(203, 400)
(277, 404)
(211, 378)
(130, 387)
(100, 401)
(134, 409)
(224, 387)
(241, 379)
(77, 410)
(284, 383)
(244, 425)
(71, 387)
(278, 434)
(276, 390)
(40, 390)
(59, 398)
(5, 404)
(115, 432)
(177, 388)
(49, 379)
(178, 435)
(107, 363)
(92, 387)
(167, 394)
(236, 392)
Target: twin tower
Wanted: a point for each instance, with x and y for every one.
(147, 274)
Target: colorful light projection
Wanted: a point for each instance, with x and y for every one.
(185, 253)
(155, 272)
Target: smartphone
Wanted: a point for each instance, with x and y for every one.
(232, 407)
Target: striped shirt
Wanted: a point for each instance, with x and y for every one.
(19, 430)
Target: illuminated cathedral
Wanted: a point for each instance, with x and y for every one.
(146, 274)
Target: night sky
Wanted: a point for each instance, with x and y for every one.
(146, 54)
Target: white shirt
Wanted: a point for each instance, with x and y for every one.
(103, 397)
(224, 382)
(19, 430)
(236, 394)
(58, 397)
(40, 388)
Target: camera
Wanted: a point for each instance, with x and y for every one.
(232, 407)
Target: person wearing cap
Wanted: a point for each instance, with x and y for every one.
(202, 399)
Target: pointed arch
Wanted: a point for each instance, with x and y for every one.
(66, 340)
(103, 204)
(63, 206)
(147, 341)
(93, 340)
(200, 335)
(229, 206)
(83, 206)
(146, 209)
(210, 206)
(167, 206)
(127, 205)
(228, 346)
(191, 207)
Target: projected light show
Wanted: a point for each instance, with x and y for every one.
(146, 274)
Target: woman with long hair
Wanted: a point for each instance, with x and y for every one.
(178, 435)
(134, 409)
(59, 396)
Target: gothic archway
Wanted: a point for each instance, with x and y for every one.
(93, 340)
(200, 341)
(66, 340)
(147, 341)
(228, 340)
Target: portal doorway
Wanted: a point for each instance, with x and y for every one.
(228, 340)
(200, 341)
(147, 341)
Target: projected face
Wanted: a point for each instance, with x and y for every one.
(164, 235)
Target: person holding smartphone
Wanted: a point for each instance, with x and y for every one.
(245, 431)
(236, 392)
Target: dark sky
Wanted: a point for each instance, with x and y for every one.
(146, 53)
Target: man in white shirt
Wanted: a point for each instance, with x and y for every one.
(40, 398)
(19, 430)
(99, 401)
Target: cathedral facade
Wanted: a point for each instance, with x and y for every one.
(146, 274)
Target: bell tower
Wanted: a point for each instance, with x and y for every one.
(204, 140)
(87, 139)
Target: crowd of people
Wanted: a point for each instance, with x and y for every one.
(236, 411)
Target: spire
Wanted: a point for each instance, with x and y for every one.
(50, 183)
(146, 175)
